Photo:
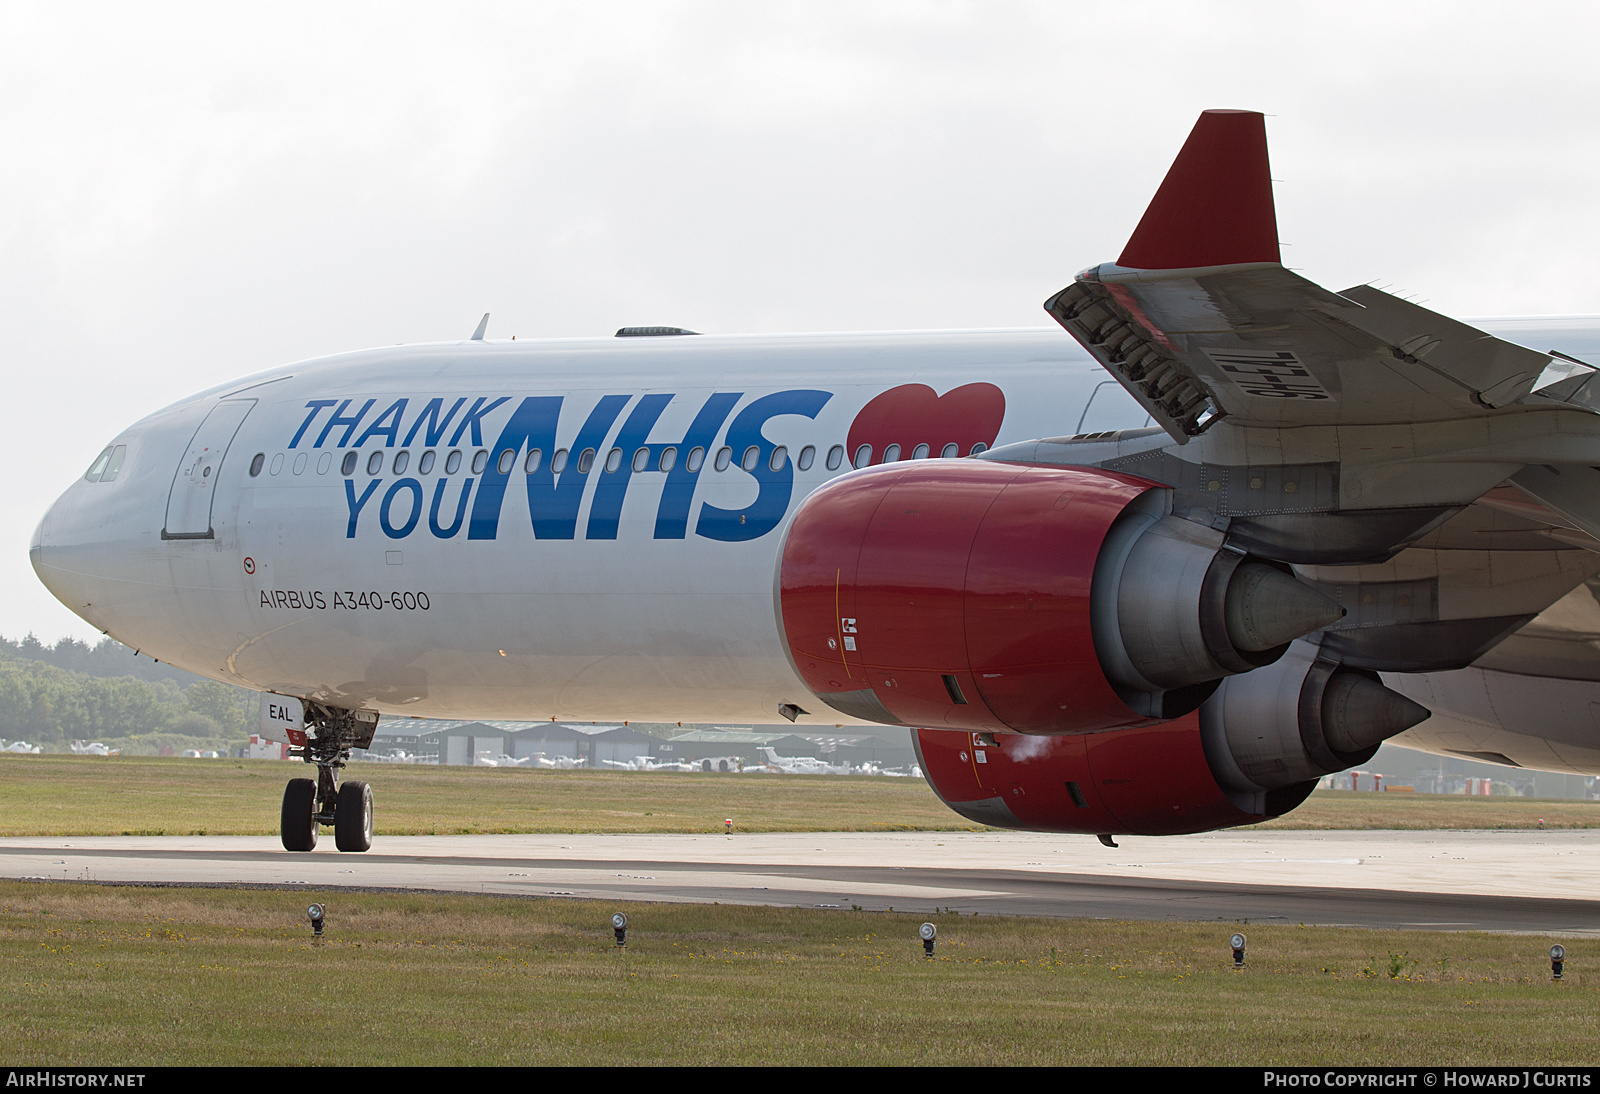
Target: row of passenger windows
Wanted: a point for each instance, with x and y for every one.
(644, 459)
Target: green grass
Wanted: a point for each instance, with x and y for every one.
(98, 975)
(139, 795)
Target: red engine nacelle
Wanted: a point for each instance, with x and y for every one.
(955, 593)
(1150, 781)
(991, 596)
(1063, 619)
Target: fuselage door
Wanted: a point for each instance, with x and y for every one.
(195, 484)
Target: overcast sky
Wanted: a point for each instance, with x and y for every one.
(193, 192)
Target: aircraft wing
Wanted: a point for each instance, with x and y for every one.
(1200, 321)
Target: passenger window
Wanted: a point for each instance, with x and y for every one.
(641, 460)
(697, 456)
(669, 459)
(452, 462)
(613, 461)
(920, 452)
(807, 455)
(558, 462)
(99, 465)
(531, 464)
(508, 460)
(480, 460)
(724, 458)
(752, 456)
(402, 460)
(324, 462)
(835, 457)
(979, 447)
(348, 467)
(301, 460)
(891, 454)
(780, 456)
(863, 456)
(425, 464)
(585, 461)
(257, 464)
(374, 463)
(950, 451)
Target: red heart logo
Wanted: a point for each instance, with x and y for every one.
(913, 414)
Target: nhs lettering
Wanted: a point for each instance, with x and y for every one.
(450, 492)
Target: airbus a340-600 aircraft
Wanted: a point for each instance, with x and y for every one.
(1160, 583)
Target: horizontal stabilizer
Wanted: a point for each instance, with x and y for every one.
(1215, 206)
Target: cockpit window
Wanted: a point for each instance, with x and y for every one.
(98, 466)
(107, 464)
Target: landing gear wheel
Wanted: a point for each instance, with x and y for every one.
(352, 817)
(299, 826)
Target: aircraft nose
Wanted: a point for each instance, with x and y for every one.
(43, 550)
(36, 545)
(74, 552)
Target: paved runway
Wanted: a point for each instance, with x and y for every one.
(1546, 882)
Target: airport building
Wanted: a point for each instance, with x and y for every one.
(429, 740)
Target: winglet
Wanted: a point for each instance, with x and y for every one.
(483, 325)
(1215, 206)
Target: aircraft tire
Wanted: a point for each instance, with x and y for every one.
(352, 817)
(299, 826)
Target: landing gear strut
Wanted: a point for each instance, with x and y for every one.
(310, 804)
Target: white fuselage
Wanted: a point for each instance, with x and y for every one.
(636, 595)
(454, 591)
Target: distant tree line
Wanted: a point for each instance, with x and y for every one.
(108, 657)
(72, 691)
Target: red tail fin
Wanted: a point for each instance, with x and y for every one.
(1215, 206)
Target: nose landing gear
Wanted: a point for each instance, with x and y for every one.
(311, 804)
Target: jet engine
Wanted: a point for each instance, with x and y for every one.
(1254, 750)
(998, 597)
(1150, 780)
(1299, 719)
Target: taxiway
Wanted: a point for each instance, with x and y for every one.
(1544, 881)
